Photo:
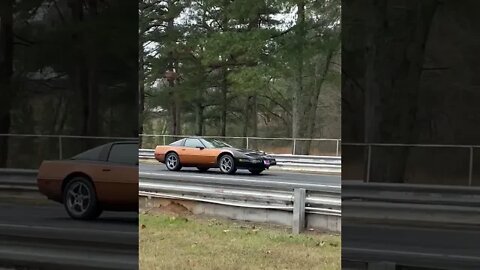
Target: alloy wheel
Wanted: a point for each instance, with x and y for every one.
(172, 161)
(78, 198)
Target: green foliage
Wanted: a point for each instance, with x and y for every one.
(246, 49)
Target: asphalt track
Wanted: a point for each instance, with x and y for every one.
(445, 248)
(40, 235)
(267, 175)
(53, 215)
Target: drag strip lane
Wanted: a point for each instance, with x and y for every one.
(45, 237)
(265, 180)
(54, 215)
(441, 248)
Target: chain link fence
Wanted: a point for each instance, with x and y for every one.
(412, 163)
(295, 146)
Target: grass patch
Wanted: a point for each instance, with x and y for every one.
(179, 242)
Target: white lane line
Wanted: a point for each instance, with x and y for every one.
(235, 179)
(276, 170)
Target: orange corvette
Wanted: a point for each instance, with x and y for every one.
(102, 178)
(208, 153)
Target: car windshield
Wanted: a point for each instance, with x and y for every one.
(212, 143)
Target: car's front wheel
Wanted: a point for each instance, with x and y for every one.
(80, 200)
(256, 171)
(227, 164)
(173, 162)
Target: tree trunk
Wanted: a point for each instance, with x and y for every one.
(224, 83)
(223, 116)
(172, 67)
(254, 115)
(141, 90)
(91, 85)
(400, 84)
(198, 119)
(320, 76)
(246, 120)
(298, 96)
(6, 72)
(178, 101)
(81, 73)
(199, 113)
(173, 108)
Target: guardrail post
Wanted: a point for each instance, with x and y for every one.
(369, 160)
(299, 195)
(247, 142)
(470, 167)
(294, 146)
(338, 143)
(164, 143)
(60, 150)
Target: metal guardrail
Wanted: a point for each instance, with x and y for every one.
(320, 163)
(241, 193)
(246, 193)
(249, 140)
(411, 204)
(18, 180)
(412, 207)
(365, 201)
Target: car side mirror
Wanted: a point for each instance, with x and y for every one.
(200, 147)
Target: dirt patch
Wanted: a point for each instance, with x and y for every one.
(169, 207)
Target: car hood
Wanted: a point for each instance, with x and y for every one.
(248, 152)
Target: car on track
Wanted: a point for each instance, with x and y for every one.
(211, 153)
(102, 178)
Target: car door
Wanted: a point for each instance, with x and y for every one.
(120, 175)
(198, 154)
(187, 152)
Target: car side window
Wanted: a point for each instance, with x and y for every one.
(178, 143)
(125, 153)
(92, 154)
(193, 143)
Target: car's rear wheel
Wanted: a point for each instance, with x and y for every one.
(256, 171)
(203, 169)
(227, 164)
(173, 162)
(80, 199)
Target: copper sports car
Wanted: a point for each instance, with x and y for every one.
(102, 178)
(210, 153)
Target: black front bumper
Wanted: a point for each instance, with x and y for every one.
(263, 163)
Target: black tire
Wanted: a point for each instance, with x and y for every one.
(80, 199)
(203, 169)
(172, 161)
(256, 171)
(227, 165)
